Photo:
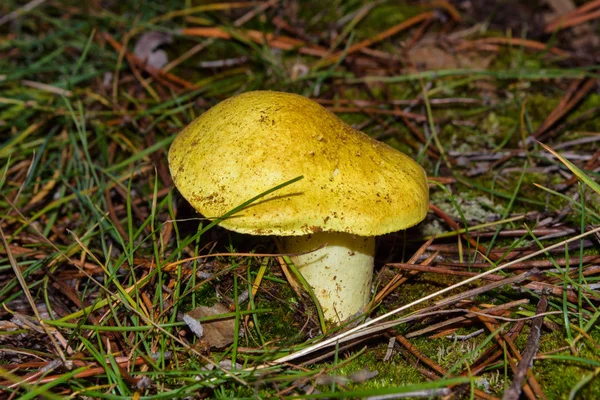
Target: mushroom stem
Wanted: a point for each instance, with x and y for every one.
(340, 272)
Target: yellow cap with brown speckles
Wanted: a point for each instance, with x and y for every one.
(255, 141)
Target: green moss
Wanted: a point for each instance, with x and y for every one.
(353, 119)
(539, 106)
(384, 17)
(281, 325)
(559, 377)
(395, 372)
(396, 143)
(205, 295)
(477, 209)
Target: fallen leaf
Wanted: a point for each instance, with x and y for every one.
(146, 48)
(363, 375)
(217, 333)
(430, 56)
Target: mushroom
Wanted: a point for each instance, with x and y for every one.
(354, 187)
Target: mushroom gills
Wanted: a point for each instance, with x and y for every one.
(339, 271)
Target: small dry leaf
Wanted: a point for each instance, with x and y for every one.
(329, 379)
(146, 48)
(144, 383)
(226, 365)
(363, 375)
(429, 54)
(429, 57)
(358, 377)
(218, 333)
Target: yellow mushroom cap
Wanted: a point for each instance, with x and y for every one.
(255, 141)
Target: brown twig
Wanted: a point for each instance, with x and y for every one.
(454, 226)
(577, 91)
(278, 42)
(491, 355)
(534, 286)
(440, 371)
(486, 288)
(399, 279)
(575, 17)
(531, 44)
(92, 371)
(166, 78)
(395, 112)
(588, 259)
(492, 311)
(514, 391)
(378, 38)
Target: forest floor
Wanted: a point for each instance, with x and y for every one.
(104, 266)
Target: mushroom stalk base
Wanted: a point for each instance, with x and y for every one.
(340, 273)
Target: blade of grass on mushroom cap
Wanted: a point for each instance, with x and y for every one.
(231, 212)
(250, 201)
